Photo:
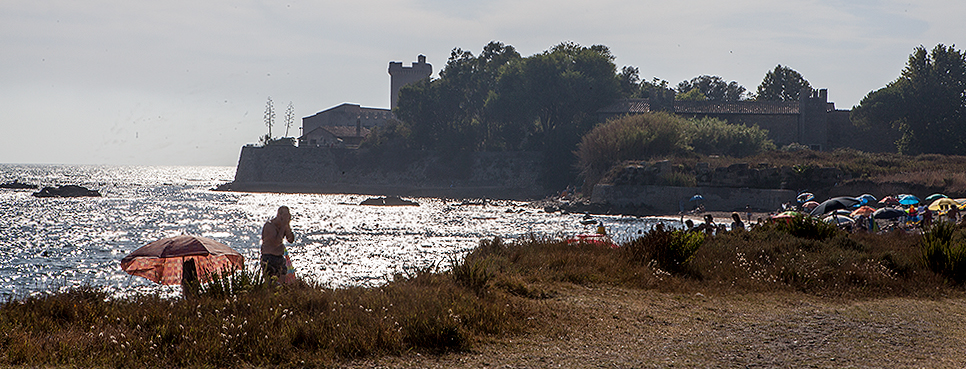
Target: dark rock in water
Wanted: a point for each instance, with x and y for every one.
(67, 191)
(388, 201)
(223, 187)
(17, 185)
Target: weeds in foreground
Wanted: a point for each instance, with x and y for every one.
(242, 321)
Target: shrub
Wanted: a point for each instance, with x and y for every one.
(944, 251)
(716, 137)
(668, 250)
(804, 226)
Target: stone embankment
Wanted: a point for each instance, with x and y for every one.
(504, 175)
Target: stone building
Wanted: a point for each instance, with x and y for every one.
(401, 76)
(808, 121)
(356, 118)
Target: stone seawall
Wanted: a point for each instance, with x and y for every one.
(671, 200)
(503, 175)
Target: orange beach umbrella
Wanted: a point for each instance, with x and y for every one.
(161, 261)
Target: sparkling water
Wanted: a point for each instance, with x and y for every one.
(51, 244)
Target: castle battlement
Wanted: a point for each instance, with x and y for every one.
(401, 76)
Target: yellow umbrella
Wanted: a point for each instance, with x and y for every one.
(943, 204)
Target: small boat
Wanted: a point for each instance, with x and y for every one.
(592, 239)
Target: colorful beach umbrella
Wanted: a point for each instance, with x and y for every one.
(161, 261)
(838, 219)
(805, 197)
(809, 205)
(908, 200)
(866, 198)
(943, 204)
(888, 213)
(836, 203)
(889, 200)
(934, 197)
(863, 210)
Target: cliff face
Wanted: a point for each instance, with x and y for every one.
(503, 175)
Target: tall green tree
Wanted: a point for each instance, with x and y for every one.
(782, 84)
(926, 104)
(449, 112)
(551, 95)
(713, 88)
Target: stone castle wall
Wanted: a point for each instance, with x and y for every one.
(504, 175)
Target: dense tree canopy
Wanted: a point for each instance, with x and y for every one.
(501, 101)
(782, 84)
(713, 88)
(926, 104)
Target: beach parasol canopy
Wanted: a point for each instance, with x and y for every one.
(838, 219)
(809, 205)
(889, 200)
(805, 197)
(888, 213)
(161, 260)
(934, 197)
(866, 198)
(942, 204)
(864, 210)
(836, 203)
(908, 200)
(697, 197)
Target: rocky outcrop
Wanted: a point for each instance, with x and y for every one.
(388, 201)
(67, 191)
(17, 185)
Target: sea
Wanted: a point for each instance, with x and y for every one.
(49, 245)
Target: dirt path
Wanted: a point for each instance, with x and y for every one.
(620, 328)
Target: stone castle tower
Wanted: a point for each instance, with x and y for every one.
(401, 76)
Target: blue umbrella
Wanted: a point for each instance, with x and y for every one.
(908, 200)
(697, 197)
(935, 196)
(867, 199)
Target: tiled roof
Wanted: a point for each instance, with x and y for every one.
(634, 106)
(624, 106)
(736, 107)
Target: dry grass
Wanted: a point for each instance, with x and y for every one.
(530, 288)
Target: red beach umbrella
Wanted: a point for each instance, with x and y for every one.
(161, 260)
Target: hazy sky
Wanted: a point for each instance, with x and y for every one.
(186, 82)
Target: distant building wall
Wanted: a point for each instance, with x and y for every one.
(345, 115)
(401, 76)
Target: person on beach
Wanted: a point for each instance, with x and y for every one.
(274, 232)
(737, 223)
(708, 226)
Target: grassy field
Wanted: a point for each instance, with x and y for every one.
(738, 288)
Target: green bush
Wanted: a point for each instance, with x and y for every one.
(944, 251)
(807, 227)
(668, 250)
(716, 137)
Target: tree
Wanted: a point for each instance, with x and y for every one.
(693, 94)
(630, 81)
(782, 84)
(269, 116)
(713, 88)
(654, 88)
(926, 104)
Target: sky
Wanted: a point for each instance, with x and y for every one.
(187, 82)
